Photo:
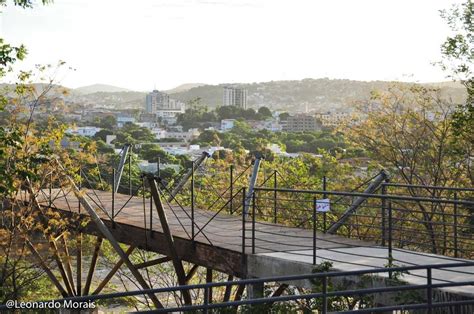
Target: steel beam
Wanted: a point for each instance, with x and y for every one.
(79, 264)
(239, 292)
(228, 289)
(94, 258)
(60, 265)
(46, 269)
(279, 290)
(178, 265)
(112, 272)
(209, 280)
(153, 262)
(253, 181)
(121, 165)
(186, 177)
(191, 273)
(67, 262)
(378, 180)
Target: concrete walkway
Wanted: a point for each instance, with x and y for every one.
(361, 258)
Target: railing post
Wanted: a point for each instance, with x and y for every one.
(50, 189)
(151, 214)
(383, 191)
(206, 300)
(429, 292)
(390, 222)
(325, 298)
(253, 222)
(130, 170)
(243, 225)
(314, 230)
(158, 169)
(113, 197)
(80, 187)
(456, 250)
(324, 196)
(275, 185)
(192, 201)
(231, 209)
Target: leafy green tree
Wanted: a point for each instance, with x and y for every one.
(153, 152)
(458, 57)
(108, 122)
(283, 116)
(264, 112)
(102, 134)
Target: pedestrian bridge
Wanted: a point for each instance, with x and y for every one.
(269, 231)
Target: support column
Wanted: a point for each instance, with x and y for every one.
(255, 290)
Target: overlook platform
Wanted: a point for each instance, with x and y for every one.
(278, 249)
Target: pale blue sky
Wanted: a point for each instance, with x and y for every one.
(144, 43)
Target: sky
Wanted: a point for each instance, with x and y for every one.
(146, 44)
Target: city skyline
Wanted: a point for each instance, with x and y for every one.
(168, 43)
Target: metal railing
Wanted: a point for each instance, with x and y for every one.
(438, 225)
(325, 290)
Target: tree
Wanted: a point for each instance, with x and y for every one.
(108, 122)
(411, 135)
(283, 116)
(458, 57)
(264, 112)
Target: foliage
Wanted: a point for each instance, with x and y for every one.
(200, 117)
(458, 57)
(242, 136)
(411, 135)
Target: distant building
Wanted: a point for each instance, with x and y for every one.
(269, 124)
(124, 118)
(87, 131)
(163, 106)
(301, 123)
(227, 124)
(234, 96)
(333, 119)
(187, 136)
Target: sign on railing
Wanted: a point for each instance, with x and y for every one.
(323, 205)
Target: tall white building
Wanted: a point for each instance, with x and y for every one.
(235, 96)
(163, 106)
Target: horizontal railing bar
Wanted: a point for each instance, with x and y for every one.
(432, 187)
(368, 195)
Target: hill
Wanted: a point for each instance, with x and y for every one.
(95, 88)
(183, 88)
(319, 94)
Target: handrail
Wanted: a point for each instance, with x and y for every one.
(324, 294)
(379, 196)
(429, 187)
